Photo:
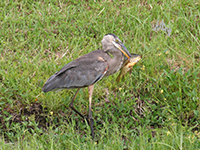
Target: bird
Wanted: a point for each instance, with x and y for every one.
(88, 69)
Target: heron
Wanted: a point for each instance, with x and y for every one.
(86, 70)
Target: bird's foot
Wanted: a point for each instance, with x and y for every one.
(86, 120)
(91, 127)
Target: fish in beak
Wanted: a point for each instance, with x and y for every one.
(128, 64)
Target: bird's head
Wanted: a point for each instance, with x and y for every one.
(110, 42)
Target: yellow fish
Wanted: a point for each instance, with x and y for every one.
(128, 64)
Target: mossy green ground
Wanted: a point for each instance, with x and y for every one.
(157, 106)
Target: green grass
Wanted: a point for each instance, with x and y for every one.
(157, 106)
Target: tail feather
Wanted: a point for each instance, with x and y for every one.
(51, 84)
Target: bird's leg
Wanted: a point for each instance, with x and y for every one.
(74, 109)
(90, 90)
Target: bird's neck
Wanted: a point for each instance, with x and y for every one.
(115, 61)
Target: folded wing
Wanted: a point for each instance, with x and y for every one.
(78, 73)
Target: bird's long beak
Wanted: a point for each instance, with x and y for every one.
(120, 46)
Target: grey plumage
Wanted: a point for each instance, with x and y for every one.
(79, 73)
(88, 69)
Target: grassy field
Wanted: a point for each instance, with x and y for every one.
(157, 106)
